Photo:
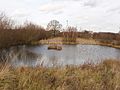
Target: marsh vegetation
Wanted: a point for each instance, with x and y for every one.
(84, 67)
(104, 76)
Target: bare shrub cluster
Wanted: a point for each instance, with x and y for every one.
(5, 22)
(11, 34)
(70, 35)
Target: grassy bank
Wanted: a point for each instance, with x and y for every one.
(82, 41)
(58, 40)
(104, 76)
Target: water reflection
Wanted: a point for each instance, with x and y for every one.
(71, 54)
(20, 56)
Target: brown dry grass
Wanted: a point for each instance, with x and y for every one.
(58, 40)
(104, 76)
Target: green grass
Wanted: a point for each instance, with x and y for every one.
(103, 76)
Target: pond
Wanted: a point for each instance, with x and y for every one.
(69, 55)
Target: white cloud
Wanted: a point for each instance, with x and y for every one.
(100, 15)
(52, 7)
(20, 13)
(91, 3)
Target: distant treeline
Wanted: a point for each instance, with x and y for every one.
(11, 34)
(28, 33)
(103, 37)
(110, 38)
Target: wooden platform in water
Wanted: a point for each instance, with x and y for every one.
(54, 47)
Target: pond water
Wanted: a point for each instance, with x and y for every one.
(69, 55)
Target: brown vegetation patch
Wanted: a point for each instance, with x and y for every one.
(103, 76)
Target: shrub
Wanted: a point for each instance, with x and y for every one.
(70, 36)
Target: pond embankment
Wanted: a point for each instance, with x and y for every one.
(81, 41)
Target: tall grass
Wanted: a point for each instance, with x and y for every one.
(104, 76)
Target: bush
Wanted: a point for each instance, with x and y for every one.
(70, 36)
(18, 35)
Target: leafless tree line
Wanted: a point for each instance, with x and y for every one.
(11, 34)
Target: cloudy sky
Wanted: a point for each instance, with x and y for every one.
(95, 15)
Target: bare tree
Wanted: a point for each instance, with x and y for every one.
(55, 26)
(5, 22)
(31, 26)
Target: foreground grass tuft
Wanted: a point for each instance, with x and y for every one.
(103, 76)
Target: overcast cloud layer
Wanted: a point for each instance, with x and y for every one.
(96, 15)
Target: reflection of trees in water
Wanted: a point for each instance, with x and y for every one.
(5, 56)
(17, 55)
(21, 56)
(26, 55)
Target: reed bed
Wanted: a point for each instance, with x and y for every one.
(102, 76)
